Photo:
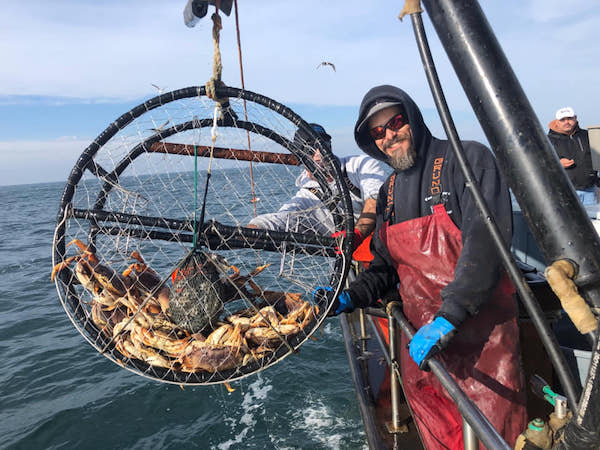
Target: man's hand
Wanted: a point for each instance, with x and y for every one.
(430, 340)
(566, 162)
(342, 303)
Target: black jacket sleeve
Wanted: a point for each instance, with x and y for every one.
(479, 265)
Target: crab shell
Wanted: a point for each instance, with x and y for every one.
(210, 358)
(270, 338)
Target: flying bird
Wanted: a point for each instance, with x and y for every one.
(160, 128)
(326, 63)
(159, 89)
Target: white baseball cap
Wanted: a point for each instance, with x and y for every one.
(567, 111)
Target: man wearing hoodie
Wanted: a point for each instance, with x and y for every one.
(573, 148)
(431, 242)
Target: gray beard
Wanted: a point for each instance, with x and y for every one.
(403, 161)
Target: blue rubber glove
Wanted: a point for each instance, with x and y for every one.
(430, 340)
(343, 303)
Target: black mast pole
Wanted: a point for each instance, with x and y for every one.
(557, 219)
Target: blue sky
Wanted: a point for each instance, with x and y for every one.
(70, 67)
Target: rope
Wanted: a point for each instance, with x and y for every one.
(215, 81)
(218, 112)
(239, 43)
(213, 138)
(195, 238)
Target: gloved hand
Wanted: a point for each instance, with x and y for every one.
(342, 303)
(356, 239)
(430, 340)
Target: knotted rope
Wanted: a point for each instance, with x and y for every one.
(215, 80)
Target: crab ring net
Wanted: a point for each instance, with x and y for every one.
(153, 260)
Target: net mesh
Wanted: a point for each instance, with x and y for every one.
(154, 262)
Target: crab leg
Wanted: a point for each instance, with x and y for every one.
(62, 265)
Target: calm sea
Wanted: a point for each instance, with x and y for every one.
(57, 392)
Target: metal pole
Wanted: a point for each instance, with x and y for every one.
(488, 435)
(470, 441)
(394, 426)
(550, 205)
(223, 153)
(364, 337)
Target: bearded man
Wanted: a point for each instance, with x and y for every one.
(432, 243)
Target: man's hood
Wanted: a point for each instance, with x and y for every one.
(420, 132)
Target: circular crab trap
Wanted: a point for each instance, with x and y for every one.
(153, 261)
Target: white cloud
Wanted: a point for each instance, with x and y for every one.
(115, 50)
(109, 49)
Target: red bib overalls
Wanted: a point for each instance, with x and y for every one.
(483, 357)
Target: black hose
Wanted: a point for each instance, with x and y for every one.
(533, 308)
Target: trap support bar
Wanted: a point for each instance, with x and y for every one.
(214, 242)
(223, 153)
(223, 232)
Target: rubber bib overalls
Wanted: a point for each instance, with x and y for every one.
(483, 357)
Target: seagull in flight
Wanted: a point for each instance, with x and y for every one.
(159, 89)
(326, 63)
(160, 128)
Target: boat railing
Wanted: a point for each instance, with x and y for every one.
(475, 425)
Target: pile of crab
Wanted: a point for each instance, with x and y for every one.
(145, 319)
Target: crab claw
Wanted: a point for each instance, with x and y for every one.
(85, 250)
(139, 266)
(60, 266)
(258, 270)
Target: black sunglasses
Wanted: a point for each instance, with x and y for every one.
(394, 124)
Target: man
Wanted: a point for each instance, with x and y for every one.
(573, 148)
(431, 242)
(305, 212)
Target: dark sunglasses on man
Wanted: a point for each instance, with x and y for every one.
(394, 124)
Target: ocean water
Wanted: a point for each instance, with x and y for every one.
(58, 392)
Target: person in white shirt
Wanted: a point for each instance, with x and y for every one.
(305, 212)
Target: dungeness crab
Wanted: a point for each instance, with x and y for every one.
(181, 328)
